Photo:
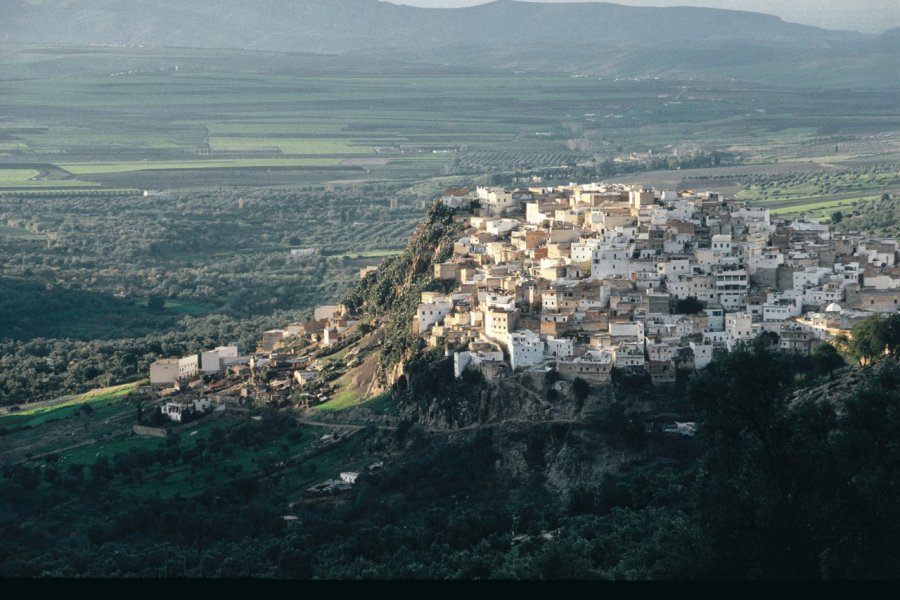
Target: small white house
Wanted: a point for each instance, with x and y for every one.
(179, 409)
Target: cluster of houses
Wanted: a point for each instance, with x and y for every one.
(586, 279)
(194, 383)
(591, 278)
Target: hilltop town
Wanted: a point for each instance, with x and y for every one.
(583, 280)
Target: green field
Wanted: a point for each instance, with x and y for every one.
(381, 405)
(35, 416)
(371, 253)
(821, 209)
(16, 176)
(344, 399)
(128, 167)
(821, 193)
(816, 185)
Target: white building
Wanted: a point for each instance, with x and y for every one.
(526, 349)
(731, 288)
(179, 409)
(212, 361)
(429, 313)
(738, 328)
(703, 354)
(629, 355)
(461, 360)
(500, 226)
(611, 262)
(632, 331)
(559, 347)
(495, 200)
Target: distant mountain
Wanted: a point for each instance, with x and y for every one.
(345, 25)
(598, 38)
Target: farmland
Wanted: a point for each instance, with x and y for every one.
(821, 193)
(195, 119)
(247, 155)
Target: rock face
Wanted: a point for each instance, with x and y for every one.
(842, 385)
(516, 398)
(558, 457)
(539, 431)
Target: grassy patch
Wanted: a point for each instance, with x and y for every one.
(336, 356)
(325, 464)
(287, 145)
(346, 398)
(821, 208)
(180, 307)
(128, 167)
(371, 253)
(94, 397)
(180, 479)
(17, 176)
(382, 404)
(50, 183)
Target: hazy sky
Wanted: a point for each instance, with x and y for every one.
(860, 15)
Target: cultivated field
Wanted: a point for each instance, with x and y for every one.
(190, 119)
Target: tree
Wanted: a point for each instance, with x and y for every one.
(867, 341)
(26, 477)
(688, 306)
(748, 503)
(826, 358)
(552, 376)
(580, 389)
(836, 217)
(768, 338)
(156, 304)
(890, 333)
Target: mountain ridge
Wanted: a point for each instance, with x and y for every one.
(354, 25)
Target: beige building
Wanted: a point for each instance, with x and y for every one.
(594, 366)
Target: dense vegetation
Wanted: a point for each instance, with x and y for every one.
(96, 295)
(791, 476)
(393, 292)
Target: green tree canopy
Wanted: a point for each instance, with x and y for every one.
(826, 358)
(688, 306)
(874, 336)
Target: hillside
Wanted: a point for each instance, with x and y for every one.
(792, 474)
(597, 38)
